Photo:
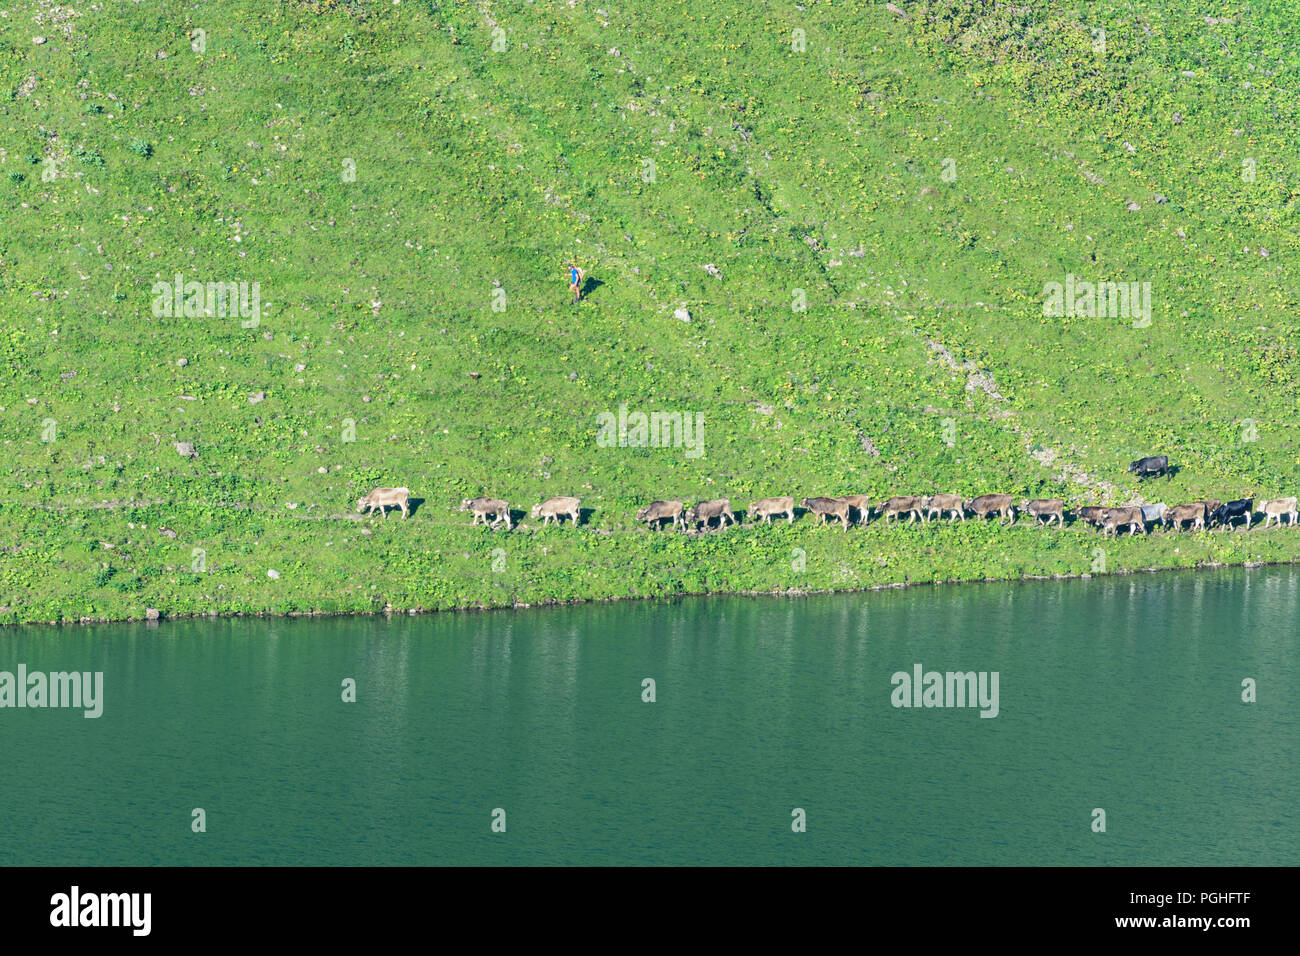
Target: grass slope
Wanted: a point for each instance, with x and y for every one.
(915, 183)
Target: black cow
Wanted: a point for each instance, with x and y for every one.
(1155, 466)
(1233, 509)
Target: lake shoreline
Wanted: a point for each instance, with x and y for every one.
(390, 612)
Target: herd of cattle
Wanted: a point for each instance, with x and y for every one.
(1199, 515)
(1136, 518)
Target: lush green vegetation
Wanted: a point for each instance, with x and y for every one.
(920, 181)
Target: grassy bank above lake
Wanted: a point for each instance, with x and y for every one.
(860, 216)
(427, 565)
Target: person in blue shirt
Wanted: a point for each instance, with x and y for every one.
(575, 281)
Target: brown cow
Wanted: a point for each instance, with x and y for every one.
(1049, 508)
(381, 498)
(862, 505)
(766, 507)
(660, 510)
(1211, 506)
(552, 509)
(1118, 517)
(1195, 513)
(482, 507)
(900, 505)
(938, 504)
(985, 505)
(827, 508)
(706, 511)
(1091, 514)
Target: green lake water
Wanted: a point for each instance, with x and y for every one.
(1120, 693)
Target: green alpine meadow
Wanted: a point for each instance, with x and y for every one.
(259, 259)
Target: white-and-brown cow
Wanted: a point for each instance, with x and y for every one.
(1117, 518)
(765, 508)
(706, 511)
(859, 503)
(384, 498)
(940, 504)
(1277, 509)
(1195, 513)
(985, 505)
(658, 511)
(1049, 508)
(828, 508)
(482, 507)
(553, 509)
(900, 505)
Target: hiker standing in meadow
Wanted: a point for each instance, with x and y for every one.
(575, 281)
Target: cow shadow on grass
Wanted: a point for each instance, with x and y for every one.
(413, 505)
